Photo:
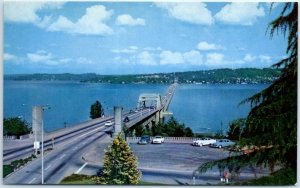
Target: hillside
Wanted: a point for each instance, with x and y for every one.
(233, 76)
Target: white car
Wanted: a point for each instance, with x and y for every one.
(158, 140)
(204, 141)
(108, 123)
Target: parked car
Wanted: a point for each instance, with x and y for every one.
(108, 123)
(158, 140)
(223, 143)
(126, 119)
(204, 141)
(144, 140)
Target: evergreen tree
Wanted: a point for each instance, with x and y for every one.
(15, 127)
(96, 110)
(236, 128)
(272, 122)
(120, 164)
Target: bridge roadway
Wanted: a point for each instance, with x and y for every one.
(151, 112)
(69, 145)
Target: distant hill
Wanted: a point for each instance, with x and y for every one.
(233, 76)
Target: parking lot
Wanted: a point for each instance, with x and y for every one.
(167, 156)
(170, 163)
(175, 156)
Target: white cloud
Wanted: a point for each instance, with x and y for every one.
(249, 58)
(26, 12)
(39, 56)
(265, 58)
(240, 13)
(208, 46)
(126, 19)
(145, 58)
(9, 57)
(129, 50)
(261, 58)
(214, 59)
(47, 58)
(195, 13)
(168, 57)
(133, 47)
(83, 60)
(92, 23)
(193, 57)
(174, 58)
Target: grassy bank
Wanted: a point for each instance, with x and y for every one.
(81, 179)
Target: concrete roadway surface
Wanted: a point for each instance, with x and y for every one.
(58, 162)
(18, 149)
(65, 157)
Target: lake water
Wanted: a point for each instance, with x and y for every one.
(197, 106)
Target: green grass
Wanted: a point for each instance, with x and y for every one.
(149, 183)
(286, 176)
(77, 179)
(7, 169)
(81, 179)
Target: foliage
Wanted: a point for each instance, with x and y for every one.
(96, 110)
(171, 128)
(236, 128)
(78, 179)
(120, 164)
(272, 122)
(281, 177)
(247, 75)
(7, 169)
(15, 126)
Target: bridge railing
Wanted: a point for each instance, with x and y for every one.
(187, 140)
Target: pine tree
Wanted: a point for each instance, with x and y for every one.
(96, 110)
(120, 164)
(272, 122)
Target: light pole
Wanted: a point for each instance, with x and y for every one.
(44, 108)
(38, 128)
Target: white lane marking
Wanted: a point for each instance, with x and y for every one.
(81, 168)
(32, 180)
(62, 156)
(90, 132)
(48, 167)
(75, 148)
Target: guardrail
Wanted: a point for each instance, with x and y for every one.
(9, 137)
(188, 140)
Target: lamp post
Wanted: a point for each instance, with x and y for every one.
(44, 108)
(38, 125)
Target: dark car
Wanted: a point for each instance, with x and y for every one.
(144, 140)
(126, 119)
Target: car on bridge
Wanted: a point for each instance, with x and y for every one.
(158, 140)
(108, 123)
(222, 143)
(204, 141)
(126, 119)
(145, 139)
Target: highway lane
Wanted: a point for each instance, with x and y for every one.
(55, 160)
(13, 154)
(60, 158)
(28, 150)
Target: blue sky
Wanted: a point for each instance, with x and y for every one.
(137, 37)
